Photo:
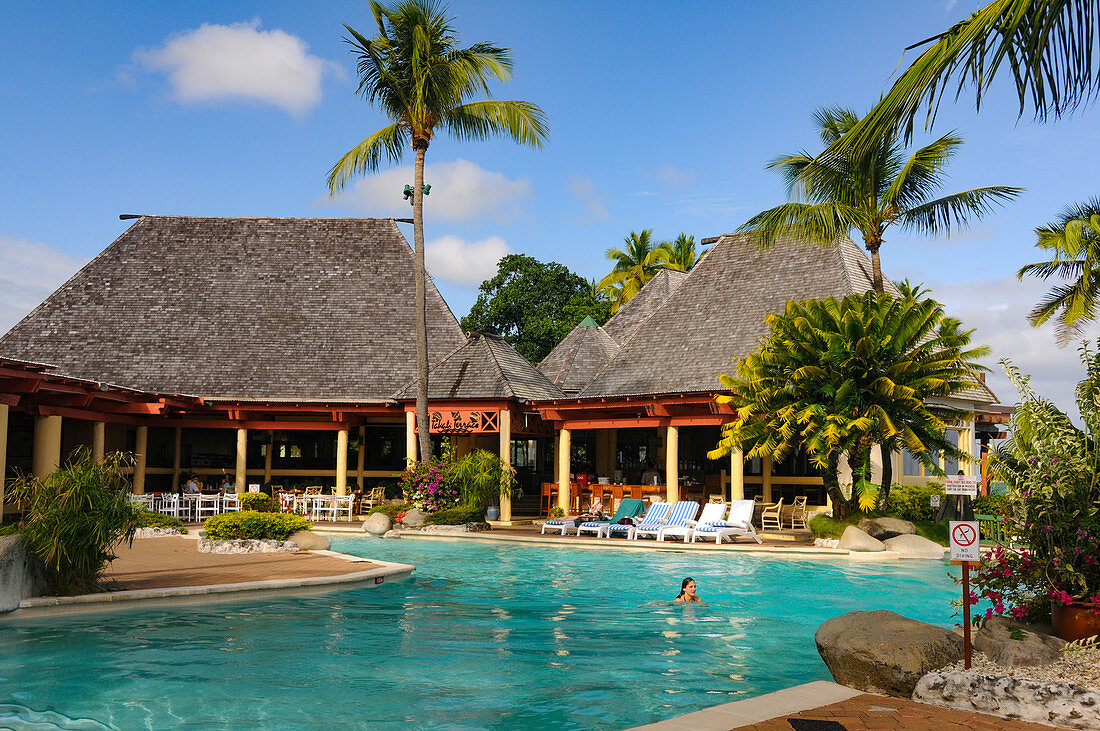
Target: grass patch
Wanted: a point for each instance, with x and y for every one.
(823, 526)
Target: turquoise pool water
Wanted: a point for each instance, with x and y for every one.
(485, 635)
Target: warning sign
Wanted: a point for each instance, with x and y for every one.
(962, 485)
(965, 544)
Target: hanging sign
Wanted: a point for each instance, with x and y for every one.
(965, 545)
(962, 485)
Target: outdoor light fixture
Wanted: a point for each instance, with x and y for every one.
(408, 193)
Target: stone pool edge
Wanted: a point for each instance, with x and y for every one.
(36, 607)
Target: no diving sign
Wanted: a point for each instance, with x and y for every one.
(965, 544)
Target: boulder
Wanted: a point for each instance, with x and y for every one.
(997, 639)
(478, 527)
(377, 524)
(157, 532)
(826, 542)
(21, 573)
(444, 529)
(414, 518)
(854, 539)
(918, 547)
(246, 545)
(307, 540)
(883, 528)
(392, 534)
(884, 652)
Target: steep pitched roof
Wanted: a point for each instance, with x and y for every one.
(581, 354)
(279, 309)
(484, 367)
(622, 326)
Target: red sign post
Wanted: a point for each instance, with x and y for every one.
(965, 549)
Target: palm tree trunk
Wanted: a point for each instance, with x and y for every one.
(832, 487)
(886, 449)
(422, 422)
(876, 268)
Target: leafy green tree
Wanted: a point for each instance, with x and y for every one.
(869, 192)
(681, 253)
(416, 73)
(633, 267)
(835, 377)
(1074, 242)
(533, 305)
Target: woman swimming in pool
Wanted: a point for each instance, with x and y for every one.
(687, 593)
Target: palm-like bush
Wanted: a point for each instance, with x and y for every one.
(681, 253)
(75, 516)
(483, 477)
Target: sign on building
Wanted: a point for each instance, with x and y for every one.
(962, 485)
(254, 487)
(965, 543)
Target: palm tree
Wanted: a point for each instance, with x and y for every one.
(633, 267)
(681, 253)
(1047, 45)
(869, 192)
(834, 377)
(416, 73)
(1074, 242)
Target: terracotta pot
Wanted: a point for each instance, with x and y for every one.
(1073, 622)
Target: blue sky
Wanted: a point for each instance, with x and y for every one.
(660, 118)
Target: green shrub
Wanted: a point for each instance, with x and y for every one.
(461, 515)
(257, 501)
(150, 519)
(992, 505)
(249, 524)
(390, 510)
(913, 502)
(8, 529)
(823, 526)
(74, 517)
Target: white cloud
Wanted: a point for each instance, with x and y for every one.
(461, 191)
(585, 192)
(453, 259)
(672, 176)
(29, 272)
(240, 61)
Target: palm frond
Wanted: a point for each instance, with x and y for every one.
(938, 216)
(390, 142)
(523, 121)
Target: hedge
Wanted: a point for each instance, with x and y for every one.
(150, 519)
(256, 501)
(249, 524)
(390, 510)
(461, 515)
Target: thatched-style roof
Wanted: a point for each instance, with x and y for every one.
(300, 309)
(622, 326)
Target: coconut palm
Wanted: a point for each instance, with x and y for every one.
(416, 73)
(1046, 44)
(633, 267)
(869, 192)
(681, 253)
(1074, 242)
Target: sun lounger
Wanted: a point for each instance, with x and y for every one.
(683, 513)
(655, 515)
(628, 508)
(738, 524)
(712, 513)
(560, 524)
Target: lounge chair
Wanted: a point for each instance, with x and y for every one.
(712, 513)
(628, 508)
(769, 517)
(655, 515)
(683, 514)
(738, 524)
(560, 524)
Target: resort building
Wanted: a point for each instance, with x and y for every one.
(281, 351)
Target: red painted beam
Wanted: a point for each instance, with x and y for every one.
(278, 425)
(90, 415)
(9, 399)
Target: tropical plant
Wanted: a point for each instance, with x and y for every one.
(1074, 242)
(430, 485)
(251, 525)
(533, 305)
(76, 515)
(257, 501)
(834, 377)
(869, 192)
(634, 266)
(681, 254)
(483, 477)
(414, 70)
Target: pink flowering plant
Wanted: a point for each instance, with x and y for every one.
(1053, 518)
(432, 486)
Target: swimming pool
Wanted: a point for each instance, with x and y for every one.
(484, 635)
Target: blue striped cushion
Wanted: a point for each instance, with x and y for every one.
(619, 528)
(557, 522)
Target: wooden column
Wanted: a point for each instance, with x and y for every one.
(410, 438)
(46, 455)
(141, 449)
(737, 475)
(563, 455)
(766, 472)
(506, 457)
(269, 454)
(177, 458)
(242, 460)
(361, 457)
(342, 462)
(3, 454)
(612, 447)
(99, 441)
(672, 463)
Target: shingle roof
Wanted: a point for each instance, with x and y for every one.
(641, 306)
(717, 314)
(485, 366)
(581, 354)
(277, 309)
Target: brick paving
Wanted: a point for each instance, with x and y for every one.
(879, 712)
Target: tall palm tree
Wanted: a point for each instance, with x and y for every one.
(681, 253)
(633, 267)
(416, 73)
(1074, 242)
(1046, 44)
(869, 192)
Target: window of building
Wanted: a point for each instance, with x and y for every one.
(910, 465)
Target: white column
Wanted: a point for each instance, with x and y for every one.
(506, 458)
(242, 460)
(672, 464)
(140, 451)
(564, 447)
(410, 438)
(3, 454)
(342, 462)
(46, 455)
(737, 475)
(99, 440)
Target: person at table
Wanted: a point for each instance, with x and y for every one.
(687, 593)
(229, 484)
(651, 476)
(193, 486)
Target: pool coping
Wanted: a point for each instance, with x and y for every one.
(188, 595)
(758, 708)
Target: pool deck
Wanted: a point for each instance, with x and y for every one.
(849, 709)
(170, 571)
